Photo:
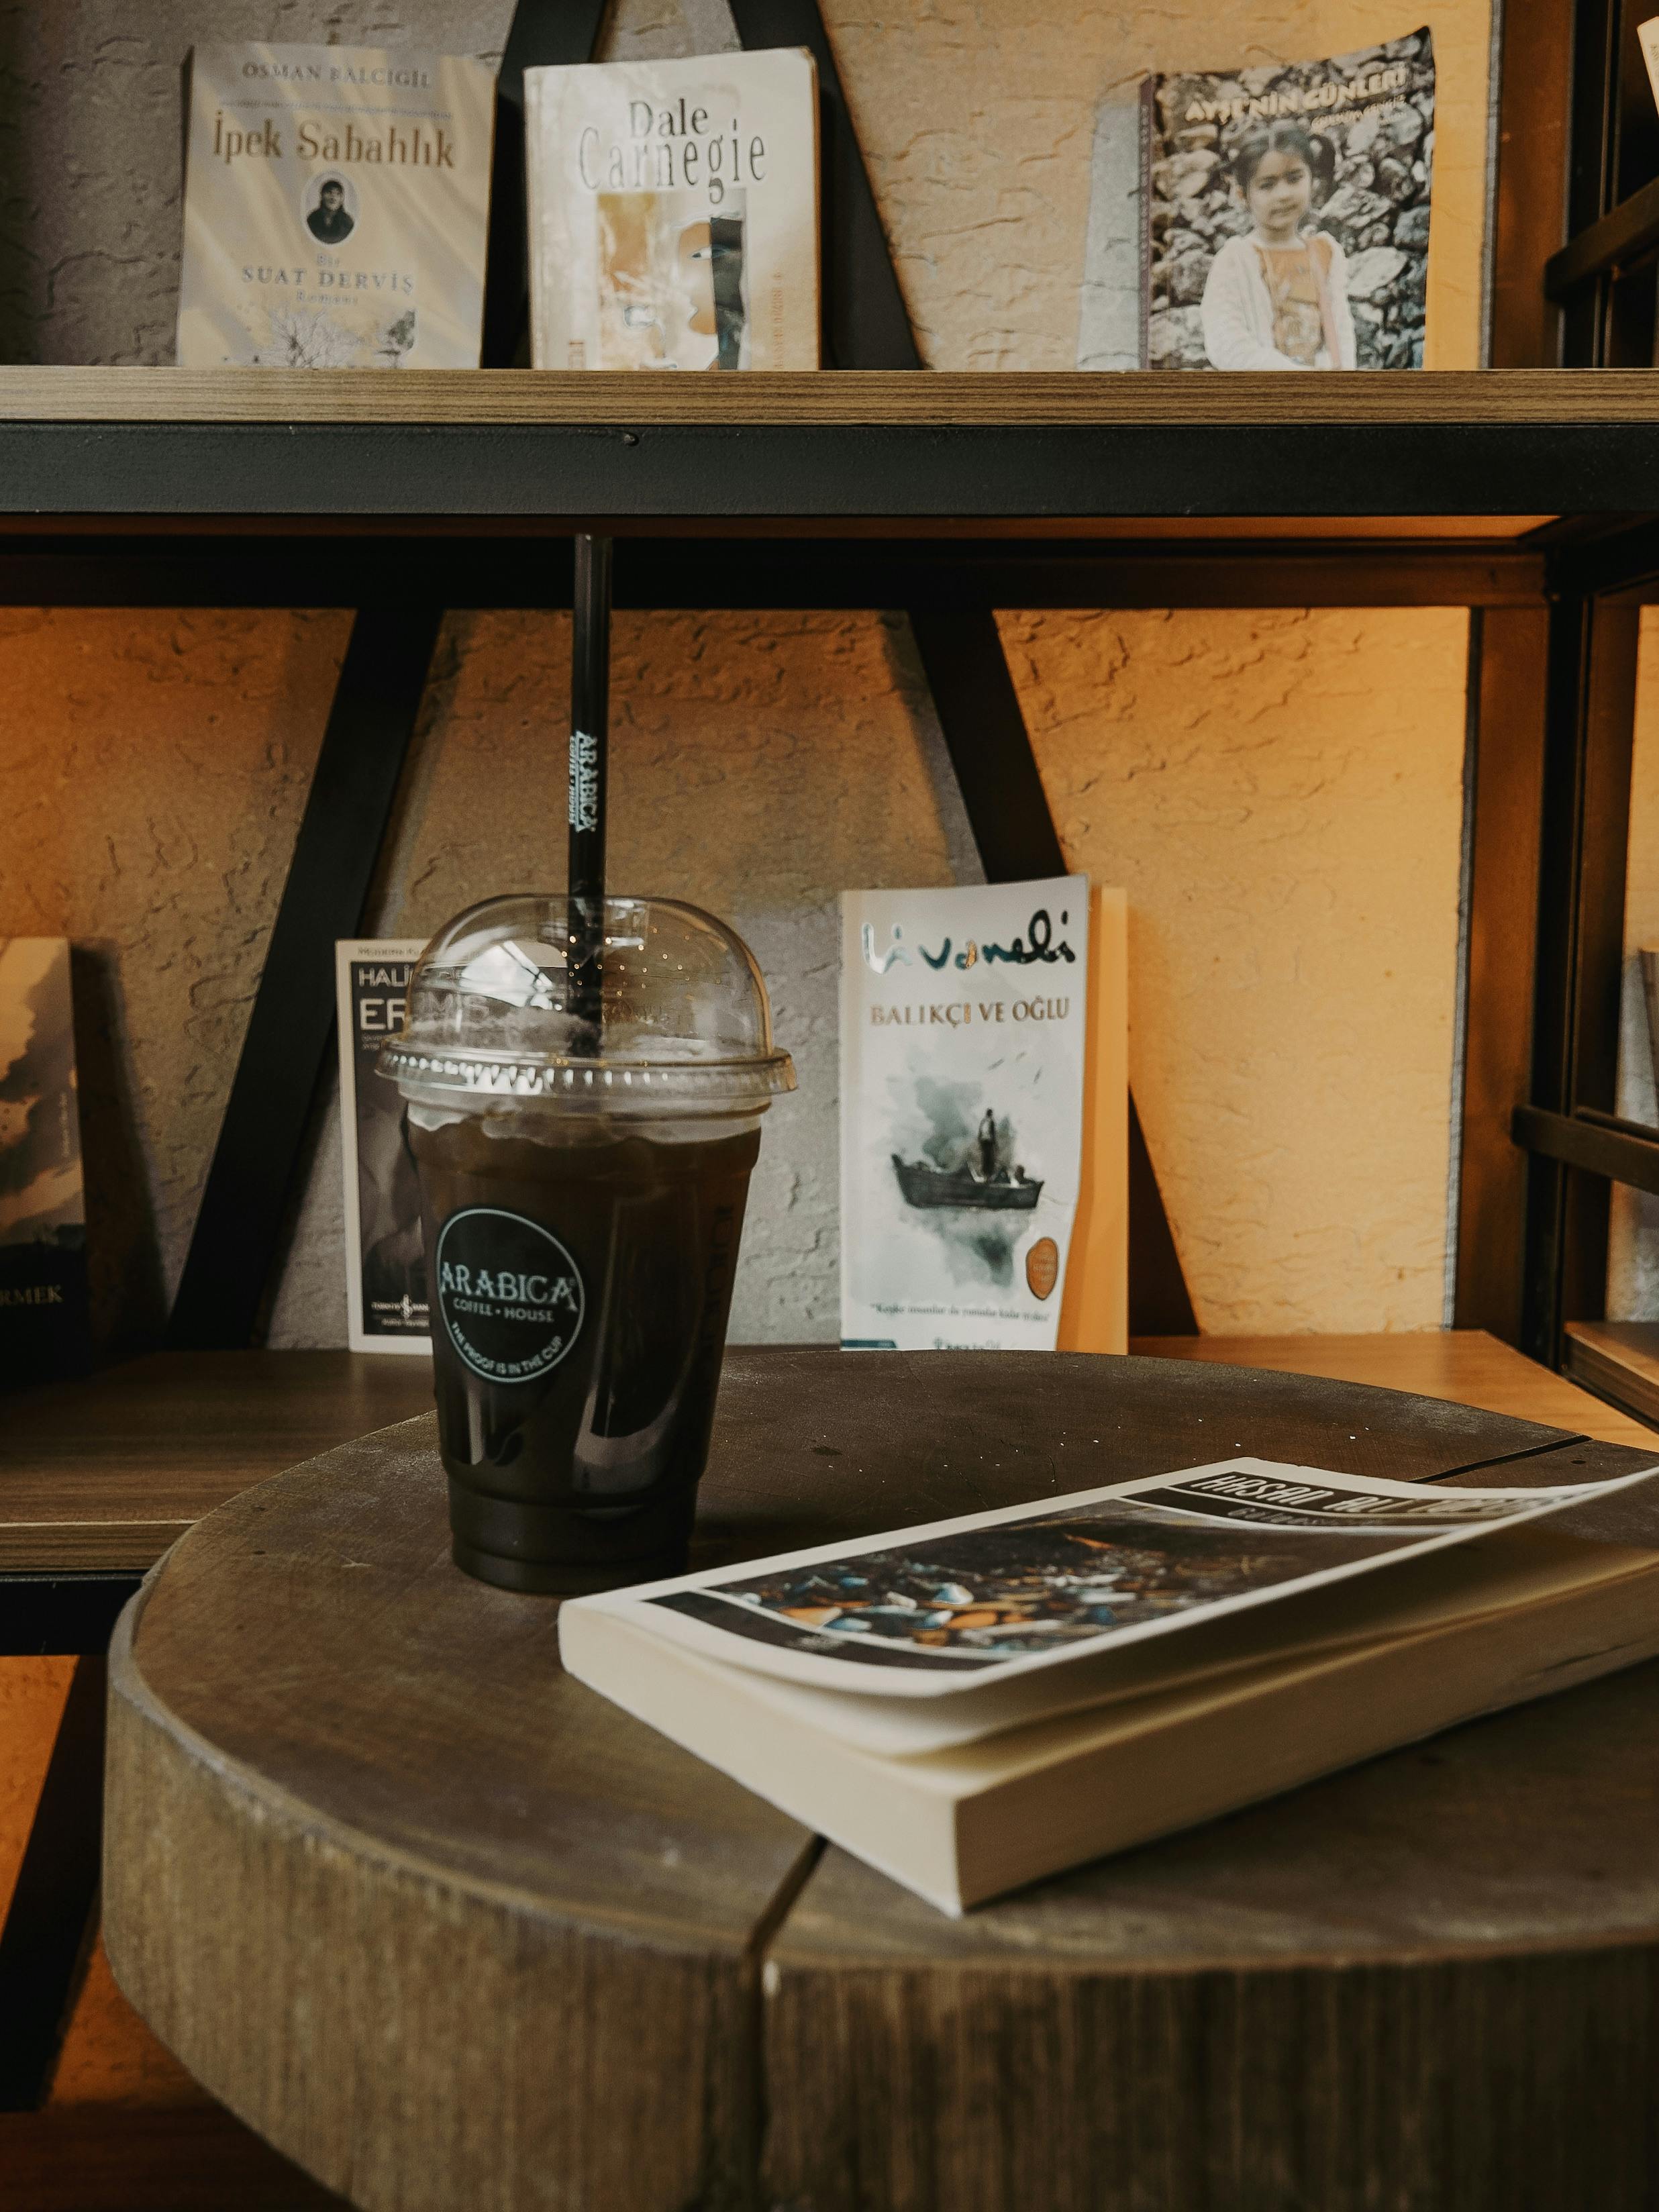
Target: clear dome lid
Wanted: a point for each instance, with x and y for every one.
(686, 1025)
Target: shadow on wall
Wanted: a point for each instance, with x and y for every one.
(129, 1306)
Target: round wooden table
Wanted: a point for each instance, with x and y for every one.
(454, 1932)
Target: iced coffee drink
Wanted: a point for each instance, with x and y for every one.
(582, 1211)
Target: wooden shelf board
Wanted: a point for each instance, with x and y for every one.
(105, 1474)
(933, 400)
(1621, 1358)
(1465, 1365)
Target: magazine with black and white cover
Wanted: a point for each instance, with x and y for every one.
(975, 1601)
(964, 1039)
(1285, 212)
(386, 1303)
(45, 1328)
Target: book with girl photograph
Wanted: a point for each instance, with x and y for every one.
(1284, 213)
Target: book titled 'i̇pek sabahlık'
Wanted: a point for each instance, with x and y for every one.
(336, 206)
(387, 1308)
(673, 213)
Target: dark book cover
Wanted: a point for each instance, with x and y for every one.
(386, 1264)
(44, 1317)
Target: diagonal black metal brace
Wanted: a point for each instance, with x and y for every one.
(867, 325)
(240, 1222)
(53, 1916)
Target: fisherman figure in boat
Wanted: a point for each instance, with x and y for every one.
(978, 1182)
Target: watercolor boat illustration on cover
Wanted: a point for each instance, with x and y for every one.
(988, 1186)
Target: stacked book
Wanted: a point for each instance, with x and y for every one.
(976, 1703)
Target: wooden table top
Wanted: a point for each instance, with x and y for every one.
(103, 1474)
(448, 1928)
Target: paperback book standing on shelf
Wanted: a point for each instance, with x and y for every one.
(386, 1304)
(1273, 217)
(44, 1325)
(963, 1038)
(336, 208)
(673, 213)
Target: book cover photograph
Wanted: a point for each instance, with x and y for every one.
(1285, 212)
(44, 1325)
(386, 1305)
(336, 204)
(673, 213)
(990, 1595)
(964, 1036)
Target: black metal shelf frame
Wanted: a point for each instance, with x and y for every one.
(1552, 648)
(1576, 1145)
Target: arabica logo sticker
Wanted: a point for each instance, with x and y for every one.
(510, 1295)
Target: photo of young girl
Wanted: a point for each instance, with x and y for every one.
(1283, 212)
(1277, 298)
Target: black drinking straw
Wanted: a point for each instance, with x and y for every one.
(590, 727)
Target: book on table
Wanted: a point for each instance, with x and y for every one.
(337, 202)
(973, 1704)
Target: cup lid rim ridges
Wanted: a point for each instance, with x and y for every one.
(505, 1074)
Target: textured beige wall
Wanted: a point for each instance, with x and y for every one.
(153, 769)
(758, 764)
(977, 121)
(151, 766)
(1633, 1230)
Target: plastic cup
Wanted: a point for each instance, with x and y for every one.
(582, 1213)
